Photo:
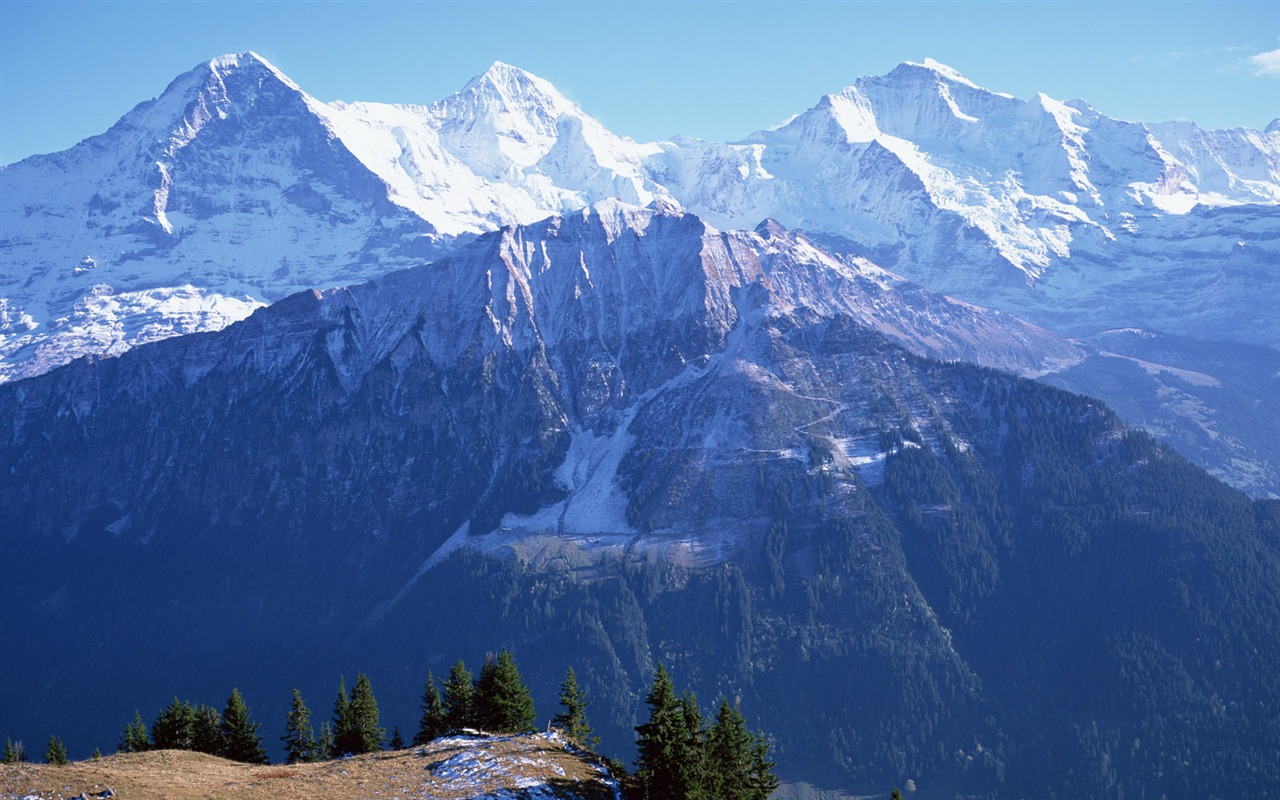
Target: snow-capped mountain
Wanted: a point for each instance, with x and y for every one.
(1045, 208)
(507, 148)
(235, 188)
(225, 192)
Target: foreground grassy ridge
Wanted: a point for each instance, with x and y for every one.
(529, 766)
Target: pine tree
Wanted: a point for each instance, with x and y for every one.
(206, 731)
(574, 719)
(325, 744)
(693, 764)
(366, 735)
(665, 756)
(299, 738)
(97, 753)
(728, 755)
(135, 739)
(12, 752)
(174, 727)
(458, 698)
(341, 727)
(897, 795)
(761, 781)
(397, 741)
(502, 701)
(240, 733)
(434, 723)
(55, 753)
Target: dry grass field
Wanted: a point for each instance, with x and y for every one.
(527, 767)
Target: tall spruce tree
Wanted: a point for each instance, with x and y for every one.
(341, 726)
(240, 733)
(728, 756)
(573, 721)
(299, 737)
(174, 727)
(365, 734)
(434, 722)
(458, 698)
(135, 739)
(665, 756)
(694, 766)
(206, 731)
(761, 780)
(502, 701)
(55, 753)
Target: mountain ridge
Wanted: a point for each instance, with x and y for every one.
(1040, 209)
(746, 489)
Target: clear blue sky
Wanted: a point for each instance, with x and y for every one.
(716, 70)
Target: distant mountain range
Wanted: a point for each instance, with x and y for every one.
(235, 188)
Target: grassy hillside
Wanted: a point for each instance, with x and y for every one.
(541, 766)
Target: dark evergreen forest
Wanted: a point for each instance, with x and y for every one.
(1033, 602)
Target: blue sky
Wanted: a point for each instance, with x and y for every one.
(716, 70)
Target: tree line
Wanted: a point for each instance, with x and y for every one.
(681, 754)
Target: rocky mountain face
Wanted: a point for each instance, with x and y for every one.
(224, 193)
(623, 436)
(1047, 209)
(235, 188)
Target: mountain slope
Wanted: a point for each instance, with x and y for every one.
(227, 191)
(620, 437)
(235, 188)
(507, 148)
(1046, 209)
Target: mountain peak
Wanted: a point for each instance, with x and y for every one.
(248, 60)
(513, 85)
(936, 67)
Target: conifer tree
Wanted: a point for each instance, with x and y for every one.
(14, 753)
(242, 742)
(728, 756)
(55, 753)
(397, 741)
(340, 729)
(299, 738)
(135, 739)
(206, 731)
(458, 698)
(434, 722)
(502, 701)
(573, 721)
(324, 743)
(762, 783)
(174, 727)
(365, 734)
(897, 795)
(665, 756)
(694, 763)
(97, 753)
